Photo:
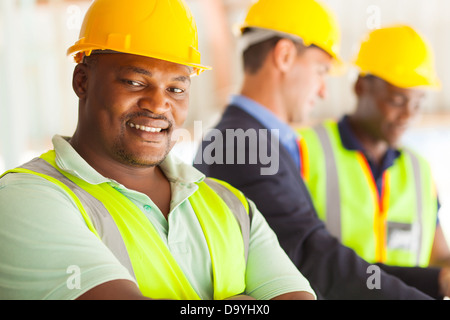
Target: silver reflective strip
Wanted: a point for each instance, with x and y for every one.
(100, 217)
(236, 207)
(419, 204)
(333, 196)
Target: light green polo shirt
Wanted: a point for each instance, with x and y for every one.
(48, 252)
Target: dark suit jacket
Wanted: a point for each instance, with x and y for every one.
(334, 271)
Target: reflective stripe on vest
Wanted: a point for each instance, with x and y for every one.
(396, 227)
(222, 211)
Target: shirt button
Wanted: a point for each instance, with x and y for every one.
(147, 207)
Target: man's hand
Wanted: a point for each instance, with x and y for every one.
(444, 282)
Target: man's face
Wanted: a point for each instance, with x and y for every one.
(132, 106)
(388, 111)
(307, 83)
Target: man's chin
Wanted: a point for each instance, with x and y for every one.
(141, 160)
(394, 141)
(395, 137)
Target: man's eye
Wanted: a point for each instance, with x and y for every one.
(323, 69)
(397, 101)
(132, 83)
(176, 90)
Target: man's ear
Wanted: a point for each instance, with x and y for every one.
(284, 55)
(80, 80)
(361, 86)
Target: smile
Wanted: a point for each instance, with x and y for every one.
(144, 128)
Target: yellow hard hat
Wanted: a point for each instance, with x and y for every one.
(310, 20)
(398, 55)
(163, 30)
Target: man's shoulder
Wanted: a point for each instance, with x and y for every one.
(22, 179)
(236, 118)
(240, 145)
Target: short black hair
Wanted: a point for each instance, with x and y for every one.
(255, 55)
(91, 60)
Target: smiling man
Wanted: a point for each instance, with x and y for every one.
(139, 137)
(110, 213)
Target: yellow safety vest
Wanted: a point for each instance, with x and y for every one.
(224, 220)
(395, 227)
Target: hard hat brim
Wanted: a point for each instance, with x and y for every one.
(87, 48)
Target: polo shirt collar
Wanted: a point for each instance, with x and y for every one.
(286, 135)
(70, 161)
(351, 142)
(267, 118)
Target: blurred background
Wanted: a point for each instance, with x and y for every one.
(37, 101)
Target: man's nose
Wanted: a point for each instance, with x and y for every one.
(323, 90)
(155, 101)
(411, 109)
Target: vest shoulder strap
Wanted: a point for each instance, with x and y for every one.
(97, 216)
(333, 196)
(241, 210)
(94, 213)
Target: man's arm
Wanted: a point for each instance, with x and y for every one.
(297, 295)
(333, 270)
(431, 281)
(114, 290)
(270, 274)
(440, 253)
(47, 250)
(301, 295)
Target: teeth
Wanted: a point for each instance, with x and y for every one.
(144, 128)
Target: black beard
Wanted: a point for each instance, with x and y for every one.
(129, 159)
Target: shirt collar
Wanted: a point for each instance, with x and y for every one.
(348, 138)
(70, 161)
(267, 118)
(351, 142)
